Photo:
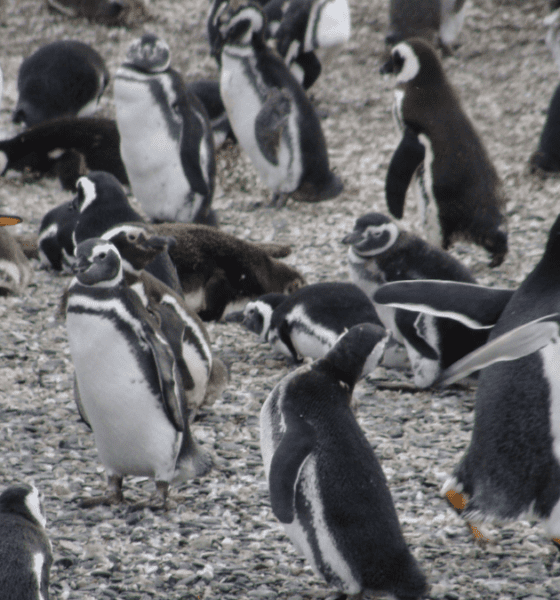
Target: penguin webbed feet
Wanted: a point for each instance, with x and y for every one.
(458, 503)
(114, 494)
(158, 501)
(279, 200)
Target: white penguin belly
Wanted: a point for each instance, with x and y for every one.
(428, 207)
(309, 338)
(132, 433)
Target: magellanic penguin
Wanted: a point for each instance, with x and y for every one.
(166, 138)
(380, 252)
(25, 550)
(218, 270)
(66, 77)
(546, 159)
(326, 486)
(15, 270)
(55, 241)
(309, 321)
(128, 379)
(270, 114)
(459, 191)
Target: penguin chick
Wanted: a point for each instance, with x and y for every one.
(66, 77)
(326, 486)
(167, 144)
(459, 191)
(15, 270)
(380, 252)
(270, 114)
(217, 269)
(546, 159)
(128, 379)
(25, 550)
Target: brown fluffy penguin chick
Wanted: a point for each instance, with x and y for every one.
(15, 270)
(217, 269)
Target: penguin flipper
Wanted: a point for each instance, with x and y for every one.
(514, 344)
(408, 155)
(270, 123)
(475, 306)
(294, 447)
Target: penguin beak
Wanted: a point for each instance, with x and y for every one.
(352, 238)
(234, 317)
(80, 265)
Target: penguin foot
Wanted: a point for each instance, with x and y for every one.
(279, 200)
(456, 500)
(479, 536)
(556, 542)
(159, 501)
(114, 495)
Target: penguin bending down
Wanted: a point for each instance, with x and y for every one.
(380, 252)
(270, 114)
(167, 144)
(326, 486)
(25, 550)
(458, 189)
(15, 270)
(129, 382)
(66, 77)
(547, 156)
(55, 241)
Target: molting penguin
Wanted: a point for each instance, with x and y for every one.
(458, 188)
(25, 550)
(326, 486)
(547, 156)
(15, 270)
(166, 136)
(62, 78)
(272, 118)
(128, 379)
(380, 252)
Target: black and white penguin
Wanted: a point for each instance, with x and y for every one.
(66, 77)
(270, 114)
(129, 382)
(219, 271)
(166, 138)
(55, 241)
(15, 270)
(25, 550)
(380, 252)
(308, 322)
(326, 486)
(459, 191)
(102, 204)
(547, 156)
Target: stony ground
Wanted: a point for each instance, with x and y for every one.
(222, 540)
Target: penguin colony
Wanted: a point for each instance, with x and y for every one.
(116, 312)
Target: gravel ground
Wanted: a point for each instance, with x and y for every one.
(222, 540)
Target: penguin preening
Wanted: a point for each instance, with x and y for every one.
(326, 486)
(270, 114)
(15, 270)
(66, 77)
(167, 144)
(25, 550)
(458, 189)
(128, 379)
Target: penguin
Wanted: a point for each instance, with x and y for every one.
(66, 77)
(25, 549)
(218, 270)
(15, 270)
(167, 144)
(127, 13)
(55, 241)
(459, 191)
(102, 203)
(308, 322)
(326, 485)
(546, 159)
(129, 383)
(380, 252)
(270, 114)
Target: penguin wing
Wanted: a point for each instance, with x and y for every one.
(514, 344)
(408, 155)
(296, 444)
(475, 306)
(270, 123)
(413, 329)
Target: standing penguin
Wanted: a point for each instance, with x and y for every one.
(458, 188)
(66, 77)
(167, 144)
(272, 118)
(25, 550)
(326, 486)
(128, 379)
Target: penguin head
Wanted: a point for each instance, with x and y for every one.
(414, 61)
(23, 500)
(257, 314)
(242, 23)
(98, 263)
(98, 187)
(149, 54)
(373, 234)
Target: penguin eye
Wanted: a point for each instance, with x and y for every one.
(132, 237)
(175, 107)
(102, 255)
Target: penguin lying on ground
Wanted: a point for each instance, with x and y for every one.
(270, 114)
(127, 13)
(308, 322)
(326, 486)
(217, 269)
(167, 144)
(129, 382)
(459, 191)
(25, 550)
(66, 77)
(380, 252)
(547, 156)
(15, 270)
